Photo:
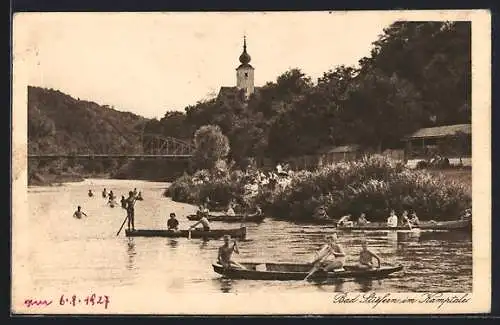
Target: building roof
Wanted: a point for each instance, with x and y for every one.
(441, 131)
(345, 148)
(231, 92)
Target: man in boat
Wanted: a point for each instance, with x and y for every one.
(225, 253)
(345, 221)
(123, 202)
(173, 223)
(392, 221)
(331, 256)
(320, 213)
(467, 214)
(366, 257)
(90, 193)
(414, 219)
(405, 219)
(230, 211)
(78, 213)
(362, 220)
(104, 193)
(130, 210)
(204, 222)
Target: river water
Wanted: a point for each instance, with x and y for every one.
(86, 253)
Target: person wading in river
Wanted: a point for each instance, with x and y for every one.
(226, 252)
(130, 210)
(78, 213)
(123, 202)
(366, 257)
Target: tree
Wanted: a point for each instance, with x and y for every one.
(210, 146)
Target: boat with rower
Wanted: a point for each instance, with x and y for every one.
(454, 225)
(292, 271)
(195, 233)
(228, 218)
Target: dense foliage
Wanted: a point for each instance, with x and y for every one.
(210, 145)
(374, 186)
(418, 75)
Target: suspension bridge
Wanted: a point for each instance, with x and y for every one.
(153, 147)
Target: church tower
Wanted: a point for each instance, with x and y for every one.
(244, 72)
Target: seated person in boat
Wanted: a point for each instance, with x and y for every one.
(225, 253)
(366, 257)
(258, 211)
(467, 214)
(405, 220)
(320, 213)
(345, 221)
(414, 219)
(331, 255)
(202, 210)
(392, 221)
(230, 211)
(78, 213)
(204, 222)
(362, 220)
(172, 223)
(90, 193)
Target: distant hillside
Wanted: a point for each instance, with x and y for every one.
(60, 123)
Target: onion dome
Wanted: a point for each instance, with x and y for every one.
(244, 57)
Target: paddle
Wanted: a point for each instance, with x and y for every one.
(314, 269)
(123, 224)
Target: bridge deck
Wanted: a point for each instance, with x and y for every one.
(92, 156)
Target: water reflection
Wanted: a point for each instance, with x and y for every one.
(131, 253)
(365, 285)
(173, 243)
(226, 285)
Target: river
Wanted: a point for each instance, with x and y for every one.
(86, 253)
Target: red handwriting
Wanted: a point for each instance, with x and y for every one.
(90, 300)
(37, 303)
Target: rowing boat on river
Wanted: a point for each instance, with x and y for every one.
(213, 234)
(459, 225)
(227, 218)
(291, 271)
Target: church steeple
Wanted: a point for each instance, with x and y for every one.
(244, 73)
(244, 57)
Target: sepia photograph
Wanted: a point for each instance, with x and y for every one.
(245, 163)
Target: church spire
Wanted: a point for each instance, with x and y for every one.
(244, 57)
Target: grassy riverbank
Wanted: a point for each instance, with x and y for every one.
(374, 185)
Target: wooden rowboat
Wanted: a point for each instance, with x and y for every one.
(290, 271)
(226, 218)
(459, 225)
(215, 233)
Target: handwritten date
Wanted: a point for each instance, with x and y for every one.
(74, 300)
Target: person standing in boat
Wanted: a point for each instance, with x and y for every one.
(173, 223)
(331, 256)
(224, 256)
(131, 210)
(78, 213)
(392, 221)
(90, 193)
(366, 257)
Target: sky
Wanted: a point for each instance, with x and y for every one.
(150, 63)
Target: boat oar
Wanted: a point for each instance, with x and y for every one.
(123, 224)
(314, 269)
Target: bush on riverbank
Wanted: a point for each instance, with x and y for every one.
(374, 186)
